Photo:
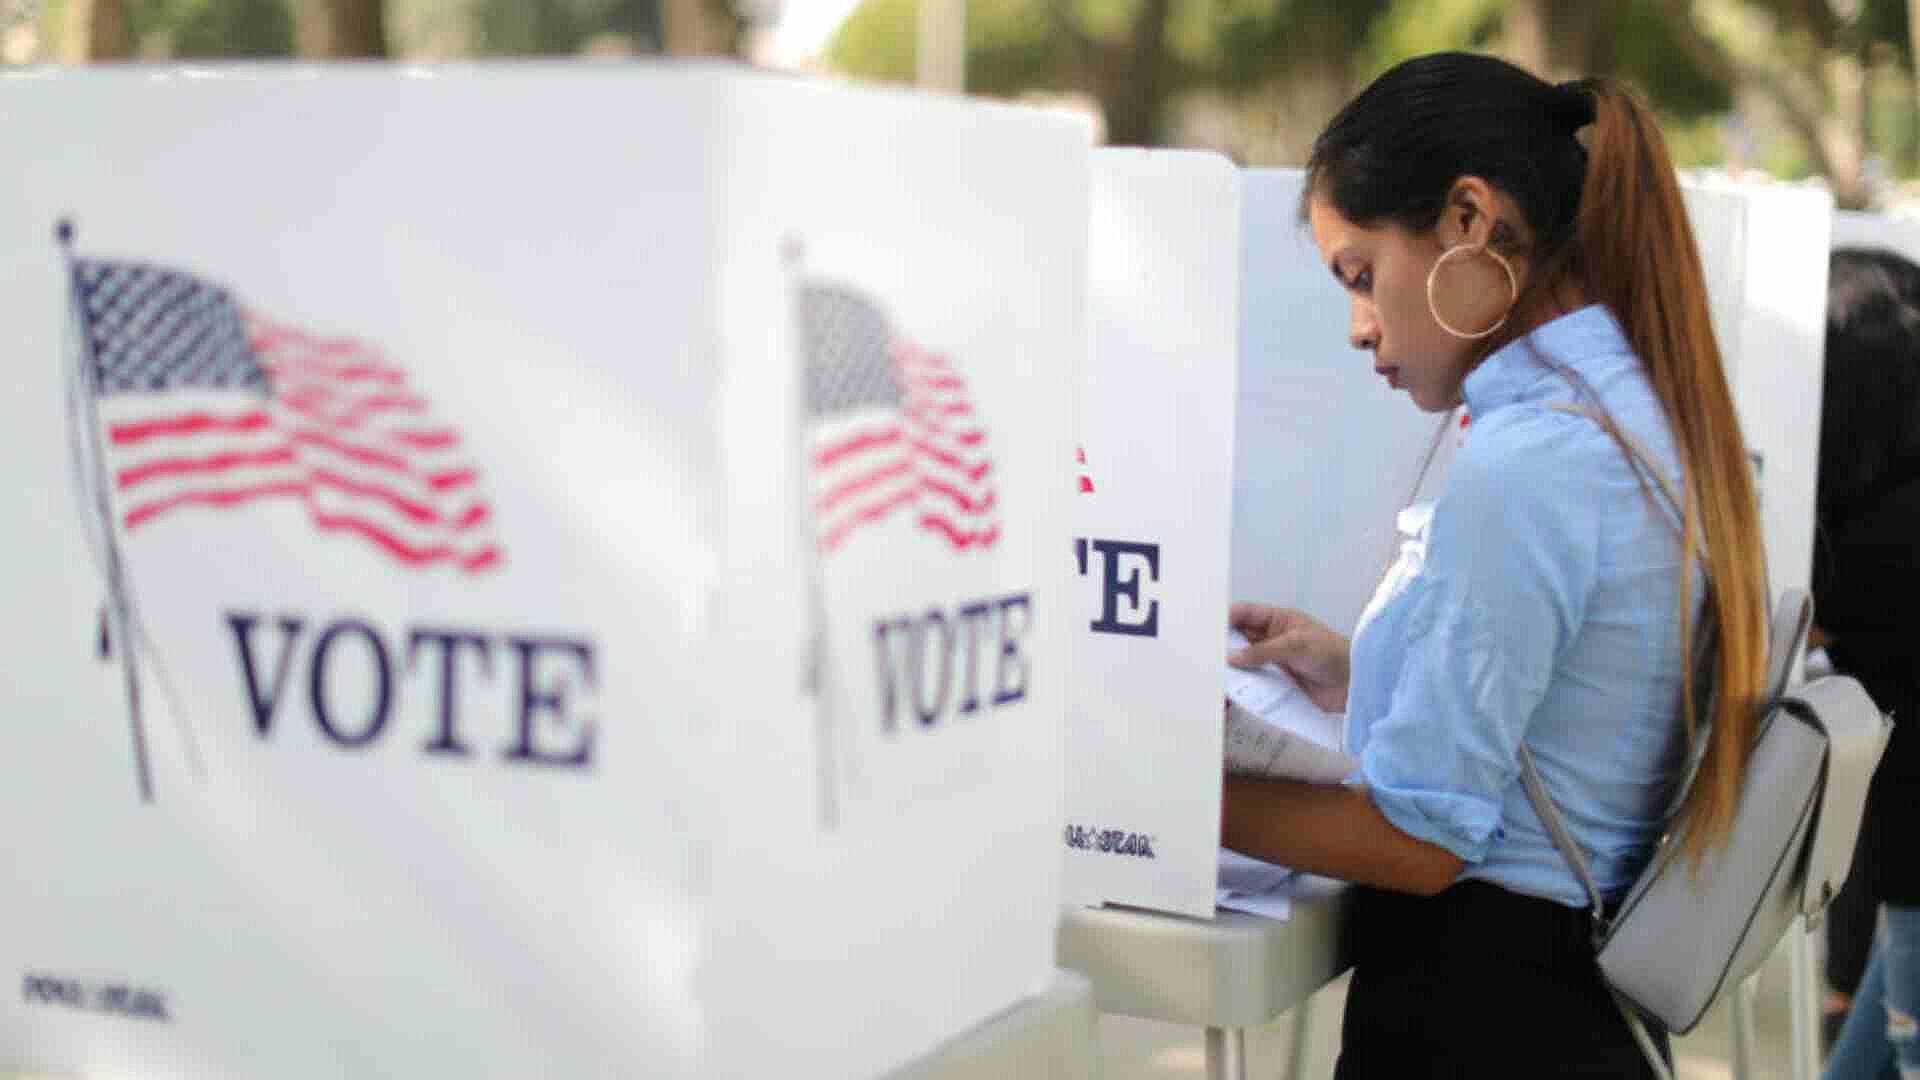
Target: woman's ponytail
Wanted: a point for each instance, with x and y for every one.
(1635, 252)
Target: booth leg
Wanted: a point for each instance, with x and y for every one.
(1226, 1053)
(1740, 1011)
(1806, 1002)
(1297, 1044)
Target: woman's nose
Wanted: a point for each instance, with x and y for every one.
(1364, 331)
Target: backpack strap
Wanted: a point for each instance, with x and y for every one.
(1787, 640)
(1562, 839)
(1786, 637)
(1642, 463)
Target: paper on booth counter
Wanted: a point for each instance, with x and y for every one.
(1277, 905)
(1274, 730)
(1255, 887)
(1245, 874)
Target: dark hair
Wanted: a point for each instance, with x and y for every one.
(1393, 153)
(1607, 223)
(1870, 405)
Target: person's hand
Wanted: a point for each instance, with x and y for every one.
(1303, 646)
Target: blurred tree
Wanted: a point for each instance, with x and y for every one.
(703, 28)
(1410, 28)
(1559, 41)
(1628, 39)
(328, 29)
(1272, 71)
(1261, 76)
(211, 28)
(1813, 61)
(1647, 52)
(1913, 47)
(564, 27)
(1132, 56)
(95, 30)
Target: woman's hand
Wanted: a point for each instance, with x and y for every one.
(1303, 646)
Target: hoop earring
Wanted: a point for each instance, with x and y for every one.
(1513, 287)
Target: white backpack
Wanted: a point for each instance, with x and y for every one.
(1681, 935)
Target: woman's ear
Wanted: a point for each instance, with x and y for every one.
(1469, 217)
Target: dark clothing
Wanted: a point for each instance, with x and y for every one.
(1866, 596)
(1428, 971)
(1851, 921)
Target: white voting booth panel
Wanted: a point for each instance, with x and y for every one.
(1187, 264)
(1150, 532)
(463, 478)
(1764, 250)
(931, 905)
(1325, 453)
(1854, 228)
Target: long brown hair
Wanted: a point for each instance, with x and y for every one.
(1607, 218)
(1639, 257)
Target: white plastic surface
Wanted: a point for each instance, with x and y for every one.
(1325, 454)
(1150, 531)
(591, 276)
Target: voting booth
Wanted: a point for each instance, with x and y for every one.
(1215, 327)
(1150, 531)
(1764, 249)
(529, 571)
(1859, 229)
(1326, 454)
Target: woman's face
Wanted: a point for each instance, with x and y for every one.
(1384, 271)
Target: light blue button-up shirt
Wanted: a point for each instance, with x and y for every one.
(1546, 610)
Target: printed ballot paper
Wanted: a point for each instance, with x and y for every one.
(1255, 887)
(1274, 730)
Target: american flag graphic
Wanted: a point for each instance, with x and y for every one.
(893, 430)
(204, 405)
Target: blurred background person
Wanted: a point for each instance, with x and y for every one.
(1866, 589)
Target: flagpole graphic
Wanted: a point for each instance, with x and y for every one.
(85, 382)
(894, 448)
(185, 404)
(817, 678)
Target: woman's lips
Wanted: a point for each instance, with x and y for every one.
(1391, 374)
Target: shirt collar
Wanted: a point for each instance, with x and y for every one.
(1588, 341)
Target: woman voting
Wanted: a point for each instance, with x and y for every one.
(1519, 249)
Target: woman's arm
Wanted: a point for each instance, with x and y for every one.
(1333, 830)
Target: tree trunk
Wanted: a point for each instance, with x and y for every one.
(701, 28)
(1844, 136)
(1559, 41)
(1584, 37)
(1524, 37)
(95, 30)
(1913, 40)
(940, 47)
(334, 29)
(686, 27)
(1132, 84)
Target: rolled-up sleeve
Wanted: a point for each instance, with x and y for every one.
(1511, 561)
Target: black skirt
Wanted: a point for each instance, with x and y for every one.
(1479, 982)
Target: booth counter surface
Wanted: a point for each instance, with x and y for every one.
(1234, 970)
(1227, 974)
